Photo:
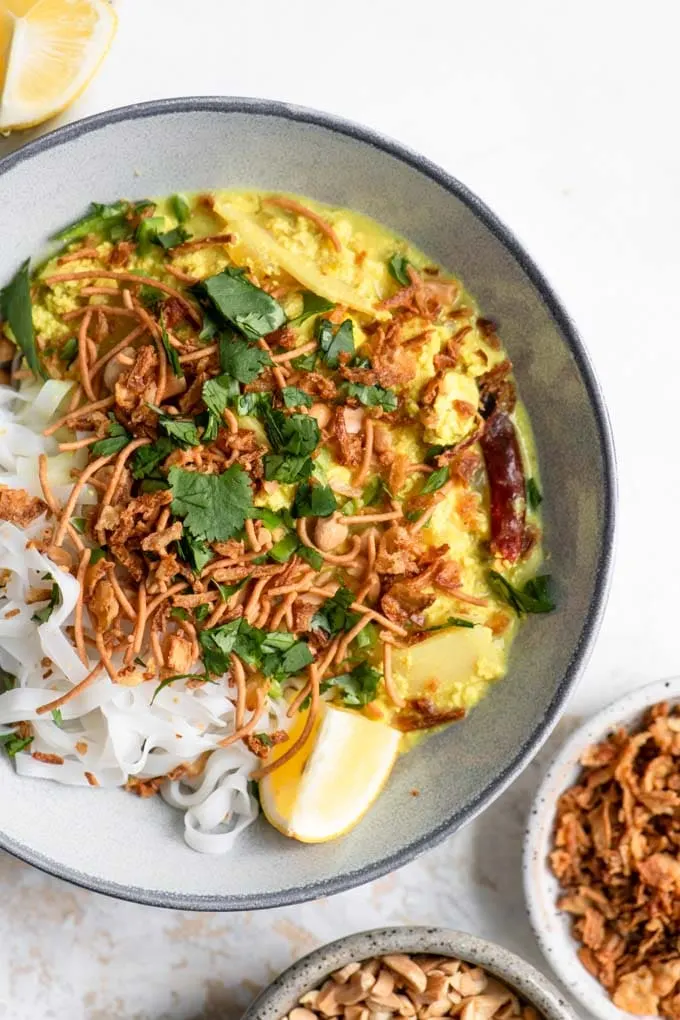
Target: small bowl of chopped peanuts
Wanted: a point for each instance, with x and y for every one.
(602, 858)
(411, 973)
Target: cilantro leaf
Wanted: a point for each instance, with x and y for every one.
(294, 397)
(374, 492)
(179, 676)
(311, 556)
(373, 396)
(17, 311)
(117, 440)
(203, 611)
(7, 681)
(147, 459)
(296, 658)
(314, 501)
(14, 743)
(298, 434)
(435, 481)
(278, 468)
(112, 222)
(359, 686)
(335, 616)
(236, 300)
(368, 637)
(182, 431)
(172, 355)
(306, 362)
(332, 345)
(398, 266)
(179, 208)
(275, 653)
(196, 553)
(312, 304)
(453, 621)
(43, 615)
(227, 590)
(534, 496)
(433, 452)
(68, 351)
(171, 238)
(214, 507)
(241, 360)
(532, 597)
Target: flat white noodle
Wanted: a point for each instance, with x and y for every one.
(110, 731)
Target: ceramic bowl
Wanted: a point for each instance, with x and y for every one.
(115, 843)
(283, 994)
(552, 926)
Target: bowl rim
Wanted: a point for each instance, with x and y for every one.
(502, 963)
(593, 618)
(555, 941)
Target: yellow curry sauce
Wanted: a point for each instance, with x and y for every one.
(422, 367)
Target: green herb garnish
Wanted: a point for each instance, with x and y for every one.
(373, 396)
(13, 743)
(180, 208)
(147, 459)
(532, 597)
(117, 439)
(312, 305)
(398, 268)
(435, 481)
(17, 311)
(359, 686)
(294, 397)
(335, 616)
(43, 615)
(68, 351)
(333, 344)
(236, 300)
(534, 497)
(172, 355)
(214, 507)
(182, 431)
(313, 501)
(179, 676)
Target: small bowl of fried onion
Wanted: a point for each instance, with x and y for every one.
(602, 858)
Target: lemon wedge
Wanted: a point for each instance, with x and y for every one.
(324, 790)
(52, 48)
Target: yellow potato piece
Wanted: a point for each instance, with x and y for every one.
(436, 667)
(302, 269)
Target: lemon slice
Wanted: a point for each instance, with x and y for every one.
(54, 49)
(324, 790)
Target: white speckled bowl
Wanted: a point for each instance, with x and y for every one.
(282, 995)
(552, 926)
(132, 848)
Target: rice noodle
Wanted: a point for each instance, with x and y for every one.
(107, 732)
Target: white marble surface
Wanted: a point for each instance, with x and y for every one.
(563, 117)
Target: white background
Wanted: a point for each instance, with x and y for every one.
(563, 117)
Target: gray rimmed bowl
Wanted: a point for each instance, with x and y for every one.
(131, 848)
(283, 994)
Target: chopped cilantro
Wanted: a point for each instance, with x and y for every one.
(398, 267)
(146, 234)
(332, 345)
(359, 686)
(172, 355)
(203, 611)
(7, 681)
(236, 300)
(182, 431)
(279, 468)
(433, 452)
(534, 497)
(273, 520)
(171, 238)
(214, 507)
(294, 397)
(179, 613)
(179, 676)
(79, 524)
(375, 492)
(227, 590)
(373, 396)
(17, 311)
(147, 459)
(112, 222)
(43, 615)
(435, 481)
(306, 362)
(139, 662)
(69, 350)
(276, 653)
(198, 554)
(13, 743)
(368, 637)
(453, 621)
(264, 739)
(314, 501)
(311, 556)
(117, 439)
(312, 304)
(97, 555)
(532, 597)
(241, 360)
(297, 434)
(335, 616)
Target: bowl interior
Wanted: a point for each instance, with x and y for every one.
(283, 994)
(553, 926)
(188, 145)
